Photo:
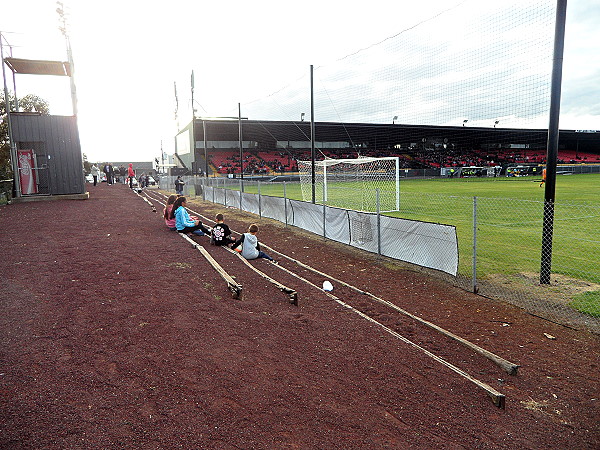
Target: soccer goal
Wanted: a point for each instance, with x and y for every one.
(353, 183)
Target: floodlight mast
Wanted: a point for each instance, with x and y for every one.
(63, 30)
(241, 147)
(14, 77)
(162, 155)
(194, 122)
(552, 147)
(205, 149)
(13, 148)
(312, 133)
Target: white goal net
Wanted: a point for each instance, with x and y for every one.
(353, 183)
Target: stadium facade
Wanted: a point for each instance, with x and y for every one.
(364, 139)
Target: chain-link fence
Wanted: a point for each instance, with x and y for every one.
(499, 241)
(507, 257)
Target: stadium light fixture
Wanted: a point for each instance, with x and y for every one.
(302, 117)
(465, 121)
(394, 119)
(496, 123)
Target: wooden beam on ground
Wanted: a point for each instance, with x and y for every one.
(292, 294)
(497, 398)
(507, 366)
(232, 285)
(145, 199)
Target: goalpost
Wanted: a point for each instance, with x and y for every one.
(352, 183)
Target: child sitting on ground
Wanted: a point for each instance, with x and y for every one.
(167, 213)
(221, 234)
(183, 222)
(250, 246)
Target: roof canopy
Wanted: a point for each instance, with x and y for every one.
(38, 67)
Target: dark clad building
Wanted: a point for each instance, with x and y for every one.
(52, 145)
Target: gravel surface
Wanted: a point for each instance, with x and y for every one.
(116, 333)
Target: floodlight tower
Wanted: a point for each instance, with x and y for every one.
(13, 147)
(63, 29)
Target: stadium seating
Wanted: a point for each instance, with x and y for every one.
(279, 160)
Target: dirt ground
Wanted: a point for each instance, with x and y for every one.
(116, 333)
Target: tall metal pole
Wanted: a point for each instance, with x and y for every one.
(193, 120)
(552, 148)
(474, 275)
(378, 206)
(72, 77)
(241, 148)
(312, 133)
(14, 77)
(285, 204)
(13, 148)
(162, 158)
(205, 149)
(63, 30)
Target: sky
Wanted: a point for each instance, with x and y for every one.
(128, 55)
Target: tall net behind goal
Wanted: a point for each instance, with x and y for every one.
(353, 183)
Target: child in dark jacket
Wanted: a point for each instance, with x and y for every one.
(221, 234)
(250, 246)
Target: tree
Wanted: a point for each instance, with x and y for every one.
(29, 103)
(87, 166)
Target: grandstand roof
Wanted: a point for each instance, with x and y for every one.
(382, 136)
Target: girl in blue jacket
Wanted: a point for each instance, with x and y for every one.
(183, 222)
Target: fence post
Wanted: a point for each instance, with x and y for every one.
(474, 276)
(224, 195)
(378, 205)
(285, 204)
(324, 214)
(241, 191)
(259, 203)
(324, 210)
(213, 190)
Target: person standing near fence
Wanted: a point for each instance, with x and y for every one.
(105, 169)
(179, 185)
(123, 174)
(130, 175)
(110, 173)
(95, 173)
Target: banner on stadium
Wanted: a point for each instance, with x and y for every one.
(27, 176)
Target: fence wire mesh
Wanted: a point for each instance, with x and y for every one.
(501, 252)
(499, 241)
